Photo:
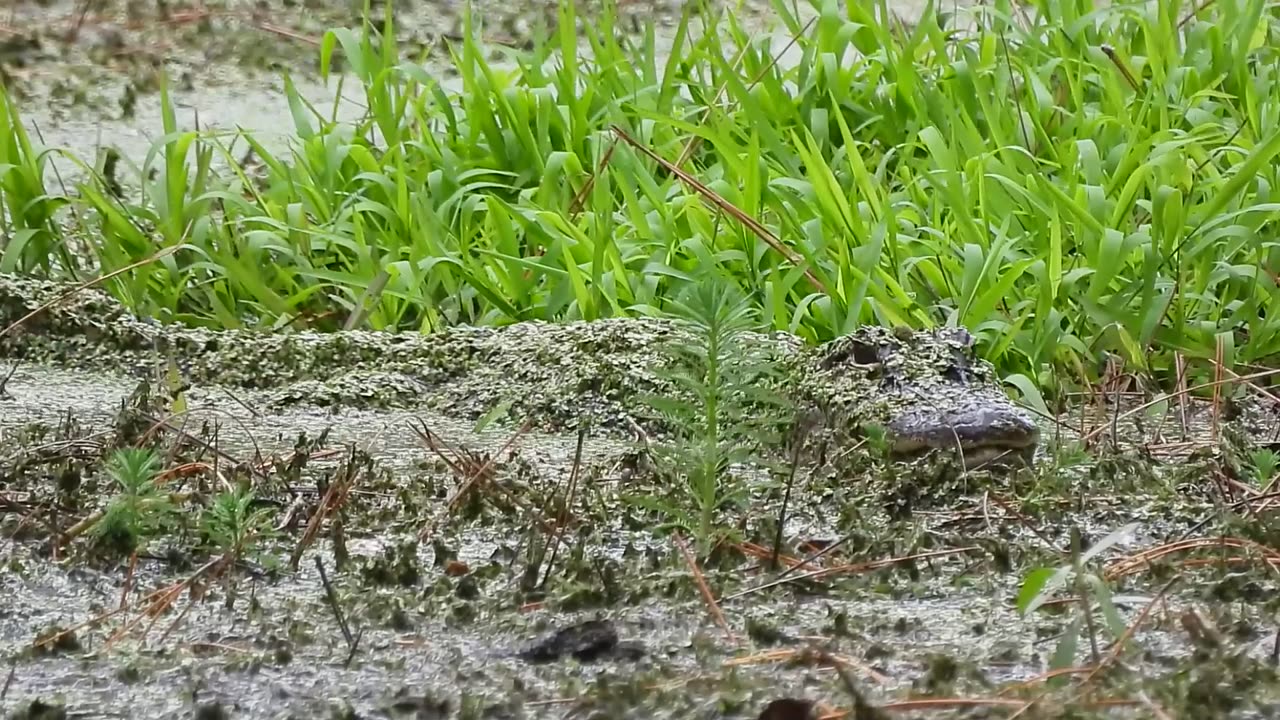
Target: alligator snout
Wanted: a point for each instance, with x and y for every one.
(985, 432)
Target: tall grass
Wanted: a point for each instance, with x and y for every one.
(1064, 179)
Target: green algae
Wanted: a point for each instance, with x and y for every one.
(556, 375)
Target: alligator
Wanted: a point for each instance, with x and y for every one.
(926, 389)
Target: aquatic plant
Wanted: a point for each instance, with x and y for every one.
(139, 510)
(28, 224)
(234, 528)
(1266, 463)
(1066, 179)
(1091, 591)
(721, 411)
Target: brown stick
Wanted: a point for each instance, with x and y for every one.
(729, 208)
(1087, 437)
(701, 582)
(85, 285)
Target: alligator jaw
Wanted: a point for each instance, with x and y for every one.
(986, 433)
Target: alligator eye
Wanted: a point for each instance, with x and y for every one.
(865, 353)
(856, 352)
(959, 369)
(958, 335)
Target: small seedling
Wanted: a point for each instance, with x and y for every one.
(1090, 588)
(140, 510)
(233, 527)
(719, 413)
(1266, 463)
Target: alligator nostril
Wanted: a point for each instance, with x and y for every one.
(956, 374)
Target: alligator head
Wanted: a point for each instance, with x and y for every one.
(928, 390)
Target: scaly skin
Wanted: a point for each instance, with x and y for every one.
(927, 389)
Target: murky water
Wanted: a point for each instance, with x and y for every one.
(277, 652)
(224, 96)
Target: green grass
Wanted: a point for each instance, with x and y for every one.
(1016, 179)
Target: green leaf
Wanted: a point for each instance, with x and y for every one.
(1036, 588)
(499, 410)
(1105, 543)
(1064, 655)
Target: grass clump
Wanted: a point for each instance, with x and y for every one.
(1071, 182)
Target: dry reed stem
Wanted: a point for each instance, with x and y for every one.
(852, 568)
(701, 582)
(86, 285)
(580, 198)
(111, 613)
(925, 704)
(763, 553)
(1133, 563)
(789, 654)
(727, 207)
(472, 477)
(1047, 676)
(1088, 437)
(334, 497)
(563, 517)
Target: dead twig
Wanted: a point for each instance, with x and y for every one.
(434, 444)
(795, 654)
(332, 597)
(353, 642)
(1133, 563)
(1088, 437)
(1025, 521)
(786, 500)
(853, 568)
(1046, 676)
(86, 285)
(728, 208)
(8, 681)
(580, 199)
(351, 655)
(701, 582)
(694, 142)
(862, 709)
(944, 703)
(4, 384)
(334, 497)
(55, 637)
(562, 518)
